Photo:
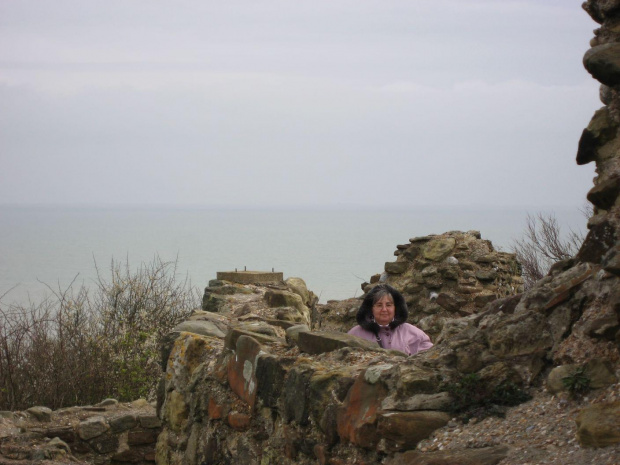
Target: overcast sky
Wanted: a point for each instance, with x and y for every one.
(294, 103)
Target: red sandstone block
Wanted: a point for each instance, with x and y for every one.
(239, 421)
(241, 367)
(215, 411)
(320, 452)
(357, 418)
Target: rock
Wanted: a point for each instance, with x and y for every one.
(215, 303)
(298, 286)
(600, 239)
(128, 456)
(177, 411)
(40, 413)
(149, 421)
(290, 314)
(601, 373)
(140, 437)
(412, 380)
(605, 193)
(270, 374)
(486, 275)
(92, 427)
(429, 271)
(603, 63)
(403, 430)
(438, 249)
(439, 401)
(318, 342)
(242, 369)
(238, 421)
(554, 380)
(235, 333)
(295, 393)
(276, 298)
(326, 390)
(105, 443)
(601, 130)
(123, 423)
(204, 328)
(482, 300)
(59, 444)
(598, 372)
(292, 333)
(229, 289)
(517, 335)
(396, 267)
(598, 425)
(481, 456)
(357, 417)
(449, 302)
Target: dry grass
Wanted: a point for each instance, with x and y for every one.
(82, 345)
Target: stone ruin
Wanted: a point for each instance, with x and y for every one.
(262, 375)
(441, 276)
(107, 433)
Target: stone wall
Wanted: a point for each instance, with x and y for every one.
(246, 387)
(108, 433)
(441, 276)
(267, 390)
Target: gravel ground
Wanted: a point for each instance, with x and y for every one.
(540, 431)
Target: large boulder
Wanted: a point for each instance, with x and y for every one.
(598, 425)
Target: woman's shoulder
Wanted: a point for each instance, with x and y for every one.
(356, 330)
(409, 328)
(361, 332)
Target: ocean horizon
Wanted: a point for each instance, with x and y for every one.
(333, 249)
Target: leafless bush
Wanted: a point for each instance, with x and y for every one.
(543, 244)
(80, 346)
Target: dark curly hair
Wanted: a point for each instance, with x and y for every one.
(364, 314)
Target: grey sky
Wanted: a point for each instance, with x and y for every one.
(294, 103)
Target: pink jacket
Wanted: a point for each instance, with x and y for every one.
(406, 338)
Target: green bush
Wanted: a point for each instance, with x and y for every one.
(81, 346)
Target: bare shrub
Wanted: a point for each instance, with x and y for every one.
(82, 345)
(543, 244)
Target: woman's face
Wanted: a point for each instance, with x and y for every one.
(383, 310)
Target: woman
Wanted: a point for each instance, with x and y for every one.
(383, 318)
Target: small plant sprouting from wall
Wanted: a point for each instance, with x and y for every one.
(473, 397)
(577, 383)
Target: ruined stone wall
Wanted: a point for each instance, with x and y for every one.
(441, 276)
(266, 391)
(108, 433)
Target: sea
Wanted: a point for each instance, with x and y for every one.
(333, 250)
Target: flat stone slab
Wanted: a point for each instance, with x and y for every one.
(318, 342)
(249, 277)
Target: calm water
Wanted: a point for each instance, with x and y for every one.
(333, 251)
